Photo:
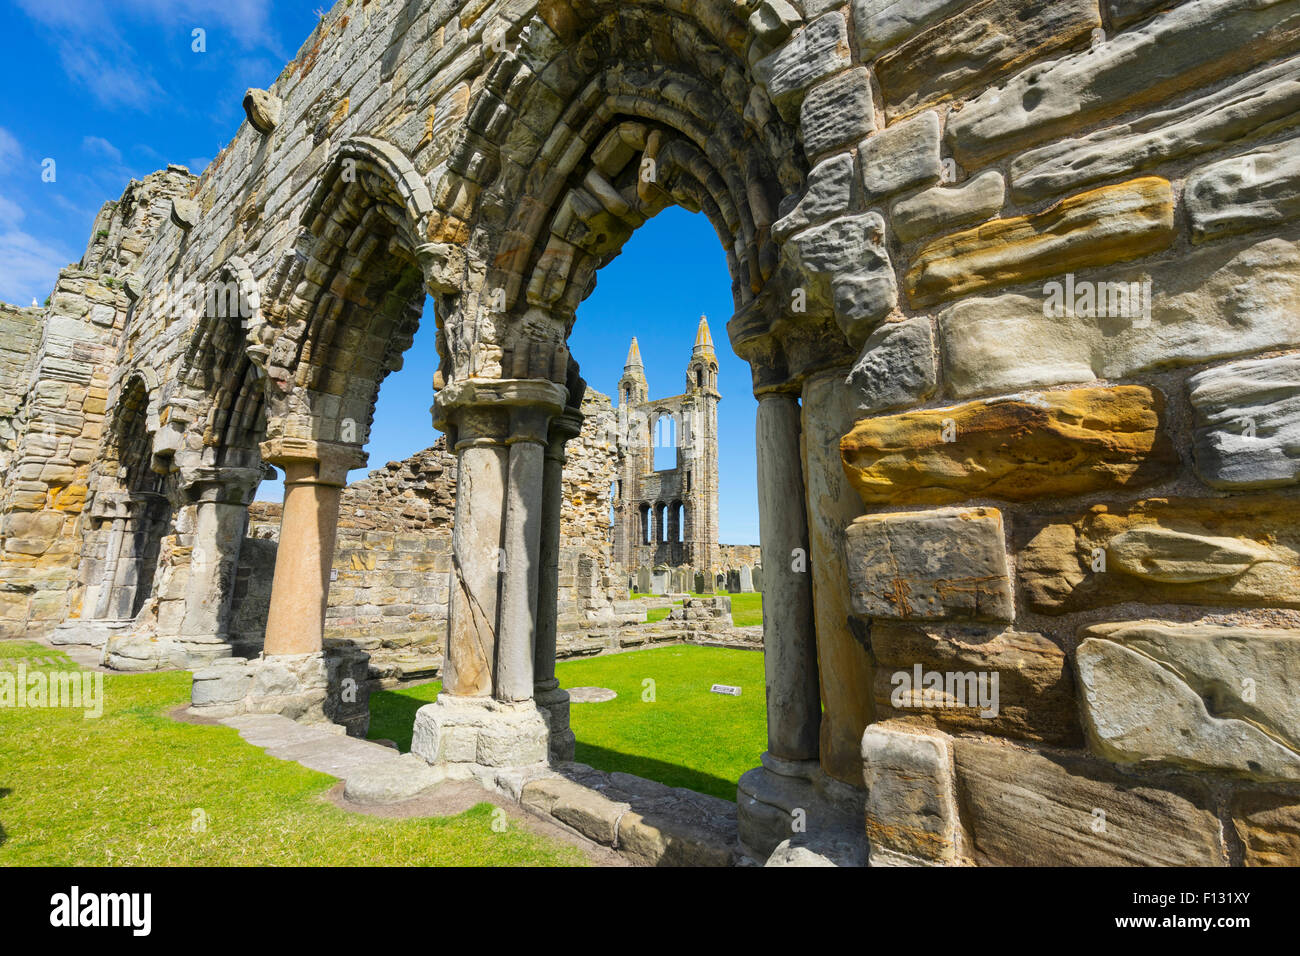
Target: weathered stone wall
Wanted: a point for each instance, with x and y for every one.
(75, 372)
(1076, 409)
(20, 335)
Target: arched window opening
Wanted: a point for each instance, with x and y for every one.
(665, 442)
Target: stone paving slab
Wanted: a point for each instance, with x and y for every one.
(313, 747)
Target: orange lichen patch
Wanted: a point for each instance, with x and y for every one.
(70, 498)
(1094, 228)
(1056, 443)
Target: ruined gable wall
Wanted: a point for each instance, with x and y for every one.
(68, 391)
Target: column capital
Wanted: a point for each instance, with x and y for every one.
(229, 485)
(332, 460)
(499, 411)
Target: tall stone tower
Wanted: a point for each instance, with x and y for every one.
(668, 518)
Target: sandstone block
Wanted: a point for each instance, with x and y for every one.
(1252, 191)
(1107, 225)
(1026, 808)
(849, 272)
(1248, 423)
(935, 565)
(1268, 825)
(1200, 697)
(830, 185)
(901, 156)
(911, 798)
(223, 682)
(392, 781)
(946, 207)
(837, 112)
(896, 366)
(582, 808)
(1216, 302)
(1032, 700)
(1152, 62)
(1254, 104)
(1240, 552)
(815, 52)
(972, 50)
(1051, 444)
(772, 22)
(881, 24)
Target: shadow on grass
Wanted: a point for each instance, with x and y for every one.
(4, 792)
(392, 717)
(666, 773)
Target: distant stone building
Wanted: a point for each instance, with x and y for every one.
(668, 519)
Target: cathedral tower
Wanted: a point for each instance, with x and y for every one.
(669, 517)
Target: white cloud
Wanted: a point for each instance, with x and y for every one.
(98, 146)
(95, 53)
(10, 212)
(30, 267)
(116, 79)
(10, 151)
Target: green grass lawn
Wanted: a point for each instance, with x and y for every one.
(685, 737)
(123, 789)
(746, 609)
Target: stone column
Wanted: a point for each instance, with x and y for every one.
(789, 635)
(566, 428)
(546, 688)
(521, 543)
(477, 555)
(221, 497)
(314, 476)
(486, 716)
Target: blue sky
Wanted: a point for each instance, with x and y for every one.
(114, 89)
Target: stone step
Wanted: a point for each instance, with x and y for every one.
(648, 822)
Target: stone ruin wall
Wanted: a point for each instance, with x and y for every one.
(74, 372)
(1100, 509)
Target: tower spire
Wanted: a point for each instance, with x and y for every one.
(703, 338)
(633, 356)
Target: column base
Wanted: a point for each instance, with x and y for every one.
(790, 813)
(137, 651)
(550, 698)
(79, 633)
(326, 687)
(479, 737)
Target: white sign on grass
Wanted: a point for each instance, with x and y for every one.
(725, 689)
